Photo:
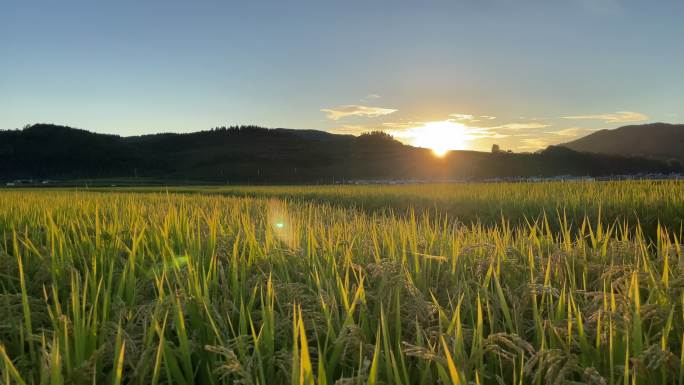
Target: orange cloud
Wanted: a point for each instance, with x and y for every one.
(616, 117)
(339, 112)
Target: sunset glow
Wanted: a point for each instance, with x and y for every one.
(440, 136)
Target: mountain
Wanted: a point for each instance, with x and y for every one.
(251, 154)
(658, 141)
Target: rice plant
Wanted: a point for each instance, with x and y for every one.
(173, 288)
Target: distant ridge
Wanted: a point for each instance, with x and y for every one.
(252, 154)
(657, 140)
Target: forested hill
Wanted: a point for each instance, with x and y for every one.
(259, 155)
(656, 140)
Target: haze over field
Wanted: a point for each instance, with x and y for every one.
(444, 75)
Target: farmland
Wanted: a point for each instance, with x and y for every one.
(545, 283)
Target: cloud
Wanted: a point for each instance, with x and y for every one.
(370, 97)
(479, 133)
(402, 125)
(520, 126)
(534, 144)
(572, 131)
(616, 117)
(462, 116)
(470, 118)
(339, 112)
(521, 135)
(404, 129)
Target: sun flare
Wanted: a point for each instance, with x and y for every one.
(441, 136)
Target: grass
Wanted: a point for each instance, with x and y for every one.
(170, 288)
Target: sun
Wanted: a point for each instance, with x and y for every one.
(441, 137)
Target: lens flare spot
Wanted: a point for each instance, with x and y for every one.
(280, 221)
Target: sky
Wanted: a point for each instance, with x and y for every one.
(465, 73)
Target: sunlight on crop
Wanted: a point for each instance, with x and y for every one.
(521, 283)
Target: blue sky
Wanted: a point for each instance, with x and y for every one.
(524, 73)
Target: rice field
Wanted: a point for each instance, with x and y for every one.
(649, 203)
(466, 284)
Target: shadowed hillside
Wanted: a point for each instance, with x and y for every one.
(259, 155)
(658, 140)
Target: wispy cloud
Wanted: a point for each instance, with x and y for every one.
(572, 131)
(462, 116)
(615, 117)
(458, 134)
(484, 133)
(370, 97)
(520, 126)
(403, 130)
(403, 125)
(339, 112)
(471, 118)
(533, 144)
